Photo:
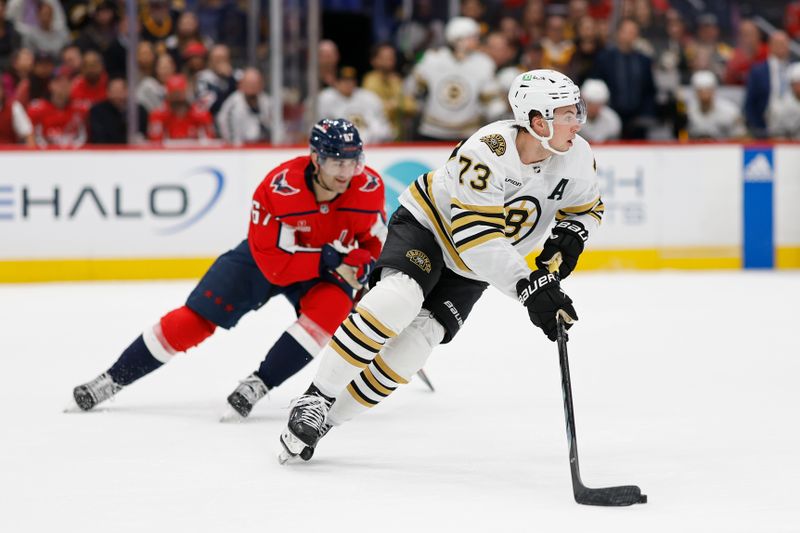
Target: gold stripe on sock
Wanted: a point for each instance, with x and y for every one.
(380, 387)
(356, 394)
(346, 356)
(367, 317)
(387, 370)
(351, 328)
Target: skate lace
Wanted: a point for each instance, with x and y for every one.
(313, 410)
(252, 388)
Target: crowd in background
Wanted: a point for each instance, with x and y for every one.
(649, 69)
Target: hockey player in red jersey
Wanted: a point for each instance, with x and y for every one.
(317, 225)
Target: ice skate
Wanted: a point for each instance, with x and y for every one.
(98, 390)
(250, 390)
(308, 422)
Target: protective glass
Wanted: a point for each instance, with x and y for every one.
(569, 118)
(332, 166)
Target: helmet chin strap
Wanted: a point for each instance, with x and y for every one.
(546, 140)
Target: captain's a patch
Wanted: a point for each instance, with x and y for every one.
(495, 142)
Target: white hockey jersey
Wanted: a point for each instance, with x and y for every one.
(488, 210)
(783, 117)
(363, 108)
(606, 126)
(722, 121)
(457, 92)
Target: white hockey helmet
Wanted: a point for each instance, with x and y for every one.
(595, 91)
(460, 28)
(544, 91)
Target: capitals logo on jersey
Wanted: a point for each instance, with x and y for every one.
(280, 186)
(371, 184)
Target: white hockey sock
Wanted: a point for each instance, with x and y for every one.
(401, 358)
(385, 311)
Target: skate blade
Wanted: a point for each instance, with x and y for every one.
(231, 416)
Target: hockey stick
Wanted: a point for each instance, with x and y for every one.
(609, 496)
(424, 377)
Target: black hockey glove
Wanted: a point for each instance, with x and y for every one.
(541, 293)
(568, 238)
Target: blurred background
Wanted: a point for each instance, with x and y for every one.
(138, 130)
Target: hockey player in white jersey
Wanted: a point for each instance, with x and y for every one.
(457, 82)
(460, 228)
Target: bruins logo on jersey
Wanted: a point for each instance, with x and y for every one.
(496, 143)
(453, 93)
(522, 216)
(420, 259)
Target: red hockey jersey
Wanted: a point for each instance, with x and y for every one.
(54, 126)
(288, 227)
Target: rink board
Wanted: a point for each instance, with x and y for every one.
(150, 214)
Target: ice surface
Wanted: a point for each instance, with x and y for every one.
(684, 383)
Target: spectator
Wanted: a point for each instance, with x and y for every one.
(145, 59)
(72, 58)
(57, 121)
(15, 126)
(784, 116)
(179, 118)
(511, 28)
(44, 36)
(557, 48)
(21, 66)
(587, 47)
(10, 40)
(629, 77)
(157, 21)
(108, 120)
(533, 18)
(194, 61)
(767, 82)
(244, 117)
(455, 81)
(361, 107)
(708, 52)
(216, 83)
(26, 12)
(151, 91)
(102, 35)
(385, 82)
(602, 123)
(37, 84)
(576, 11)
(672, 60)
(187, 33)
(791, 19)
(90, 87)
(328, 54)
(709, 115)
(750, 49)
(501, 51)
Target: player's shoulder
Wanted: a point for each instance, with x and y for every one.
(287, 179)
(367, 190)
(493, 141)
(481, 62)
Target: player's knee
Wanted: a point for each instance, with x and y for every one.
(183, 328)
(326, 306)
(409, 351)
(395, 300)
(310, 335)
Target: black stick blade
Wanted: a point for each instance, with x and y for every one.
(610, 496)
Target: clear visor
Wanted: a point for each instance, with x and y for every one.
(332, 166)
(569, 116)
